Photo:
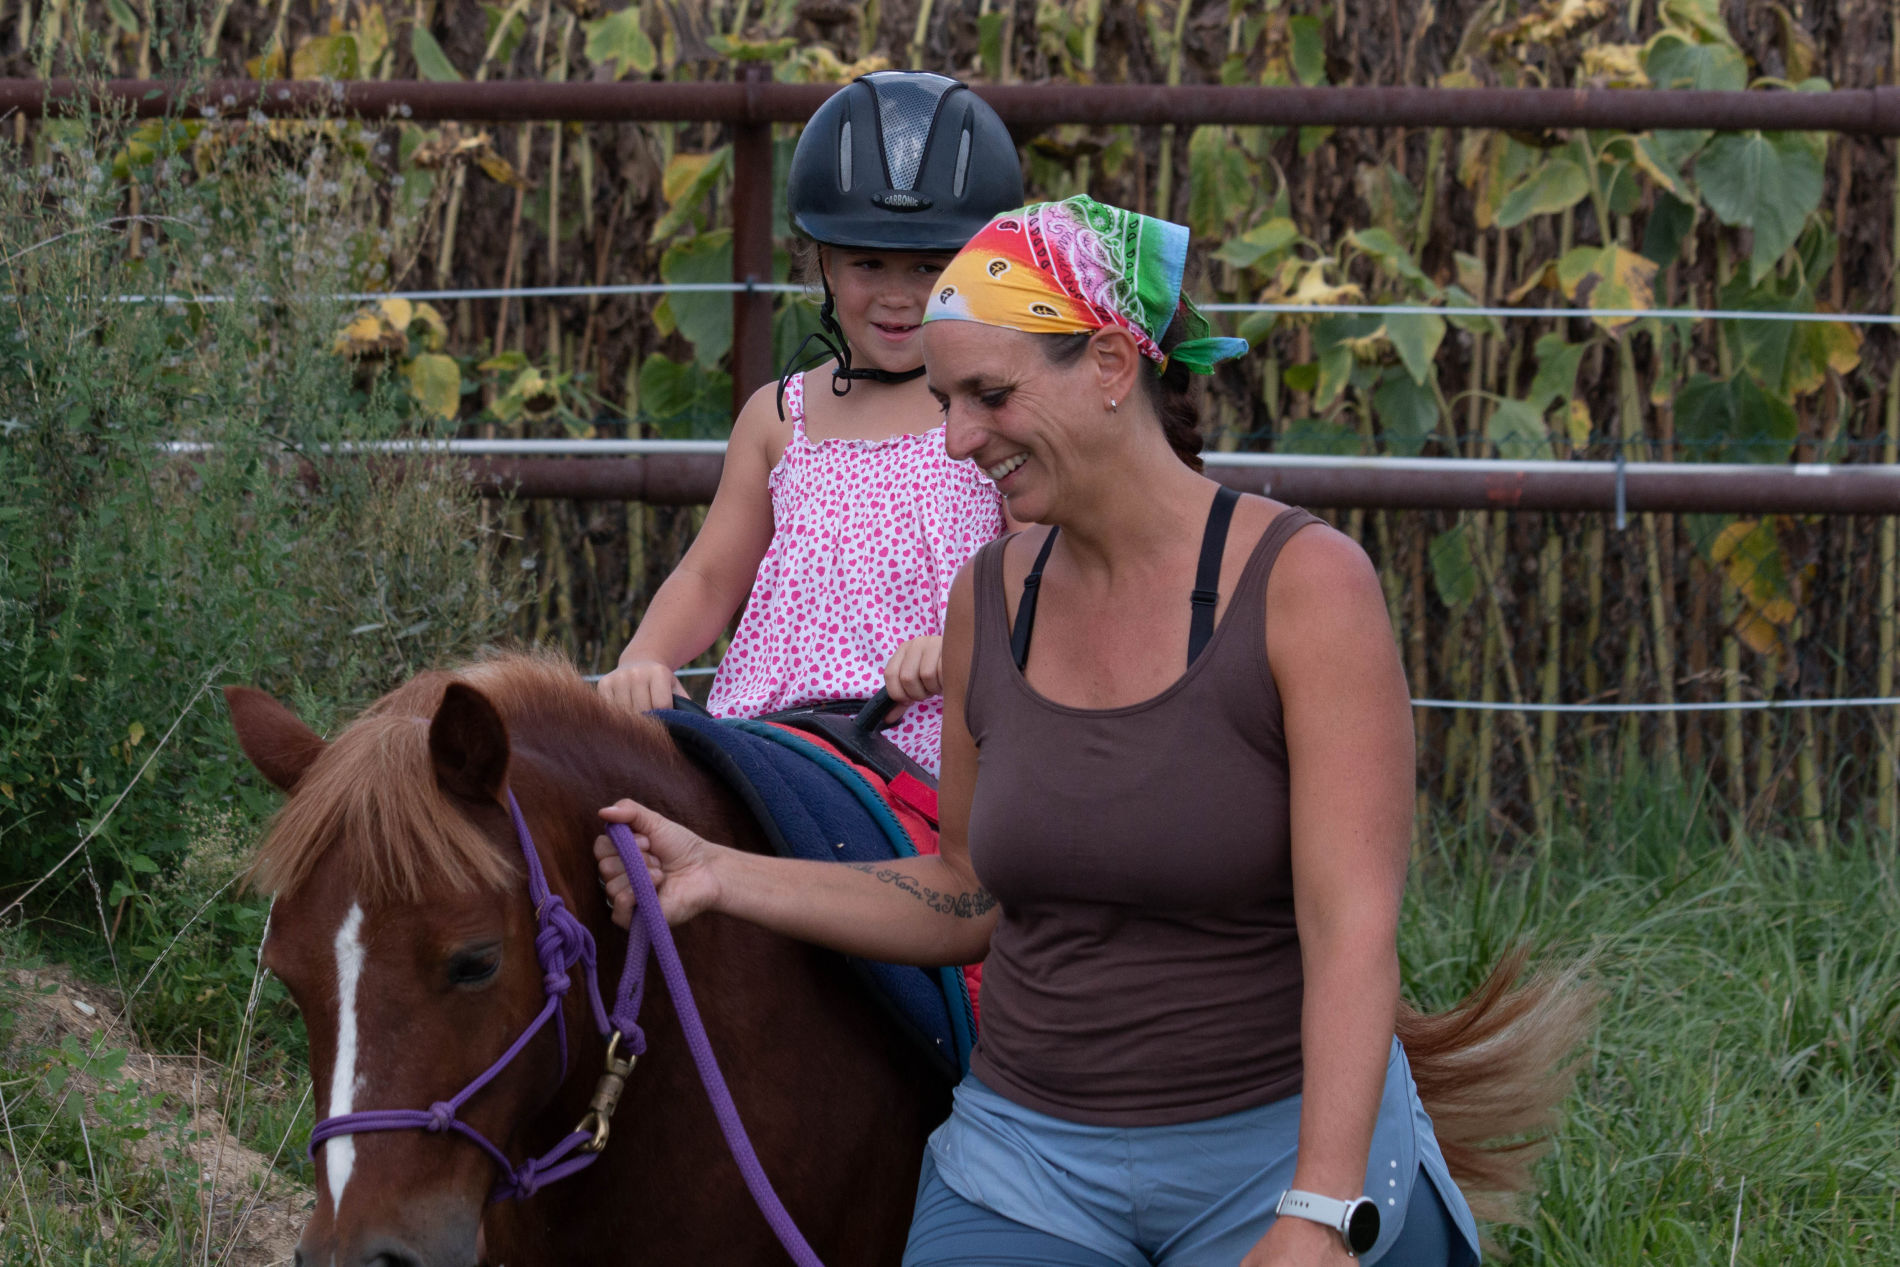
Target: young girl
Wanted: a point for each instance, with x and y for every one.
(838, 509)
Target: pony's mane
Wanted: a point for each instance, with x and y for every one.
(373, 791)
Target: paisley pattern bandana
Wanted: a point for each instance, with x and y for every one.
(1075, 266)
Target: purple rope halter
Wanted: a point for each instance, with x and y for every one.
(562, 943)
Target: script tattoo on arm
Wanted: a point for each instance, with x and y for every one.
(960, 905)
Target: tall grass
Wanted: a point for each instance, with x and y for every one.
(134, 581)
(1741, 1100)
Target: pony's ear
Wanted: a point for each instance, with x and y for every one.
(469, 744)
(278, 744)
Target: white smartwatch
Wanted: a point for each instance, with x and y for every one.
(1356, 1221)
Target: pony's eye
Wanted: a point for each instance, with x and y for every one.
(473, 967)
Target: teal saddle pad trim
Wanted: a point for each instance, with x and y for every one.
(855, 783)
(956, 988)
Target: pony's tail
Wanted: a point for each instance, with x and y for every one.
(1492, 1071)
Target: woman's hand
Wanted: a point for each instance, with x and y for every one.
(1292, 1242)
(640, 686)
(679, 863)
(914, 673)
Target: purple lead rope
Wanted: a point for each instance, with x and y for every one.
(647, 911)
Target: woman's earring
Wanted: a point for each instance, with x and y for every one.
(1111, 406)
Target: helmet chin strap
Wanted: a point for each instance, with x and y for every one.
(875, 376)
(832, 344)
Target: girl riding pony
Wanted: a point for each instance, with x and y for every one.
(840, 521)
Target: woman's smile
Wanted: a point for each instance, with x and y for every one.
(1007, 467)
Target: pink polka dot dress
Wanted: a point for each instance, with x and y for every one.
(867, 537)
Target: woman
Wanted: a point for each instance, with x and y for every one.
(1176, 796)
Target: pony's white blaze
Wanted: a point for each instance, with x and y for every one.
(340, 1152)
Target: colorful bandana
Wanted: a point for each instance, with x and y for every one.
(1074, 266)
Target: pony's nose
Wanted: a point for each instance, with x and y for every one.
(391, 1254)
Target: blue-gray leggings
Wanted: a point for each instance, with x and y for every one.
(947, 1229)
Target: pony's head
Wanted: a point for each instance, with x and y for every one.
(402, 927)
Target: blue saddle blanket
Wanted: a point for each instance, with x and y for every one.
(812, 806)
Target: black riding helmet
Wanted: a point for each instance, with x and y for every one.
(897, 160)
(902, 160)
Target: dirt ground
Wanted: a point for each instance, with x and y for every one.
(258, 1212)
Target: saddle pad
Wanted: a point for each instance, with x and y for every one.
(914, 805)
(806, 811)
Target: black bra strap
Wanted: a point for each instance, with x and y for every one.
(1205, 600)
(1207, 576)
(1026, 610)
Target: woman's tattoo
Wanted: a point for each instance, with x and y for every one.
(961, 905)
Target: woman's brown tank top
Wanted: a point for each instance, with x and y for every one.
(1145, 969)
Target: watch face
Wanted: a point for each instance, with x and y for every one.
(1362, 1225)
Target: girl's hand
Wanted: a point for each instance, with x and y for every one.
(914, 673)
(640, 686)
(1292, 1242)
(679, 863)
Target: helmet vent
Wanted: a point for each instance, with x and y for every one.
(906, 107)
(963, 164)
(844, 156)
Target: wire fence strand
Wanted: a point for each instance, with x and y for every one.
(612, 290)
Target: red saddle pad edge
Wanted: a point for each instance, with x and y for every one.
(917, 794)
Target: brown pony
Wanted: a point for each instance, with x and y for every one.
(403, 929)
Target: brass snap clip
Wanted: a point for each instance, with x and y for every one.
(600, 1109)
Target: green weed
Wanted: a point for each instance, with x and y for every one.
(1741, 1099)
(136, 580)
(98, 1169)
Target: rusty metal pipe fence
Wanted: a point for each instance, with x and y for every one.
(753, 104)
(1861, 111)
(688, 476)
(1521, 593)
(686, 473)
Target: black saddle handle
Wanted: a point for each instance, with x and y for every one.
(870, 718)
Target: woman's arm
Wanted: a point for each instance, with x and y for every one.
(694, 605)
(926, 910)
(1350, 752)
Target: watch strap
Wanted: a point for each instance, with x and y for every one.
(1312, 1206)
(1331, 1212)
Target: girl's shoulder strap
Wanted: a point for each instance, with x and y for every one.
(795, 406)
